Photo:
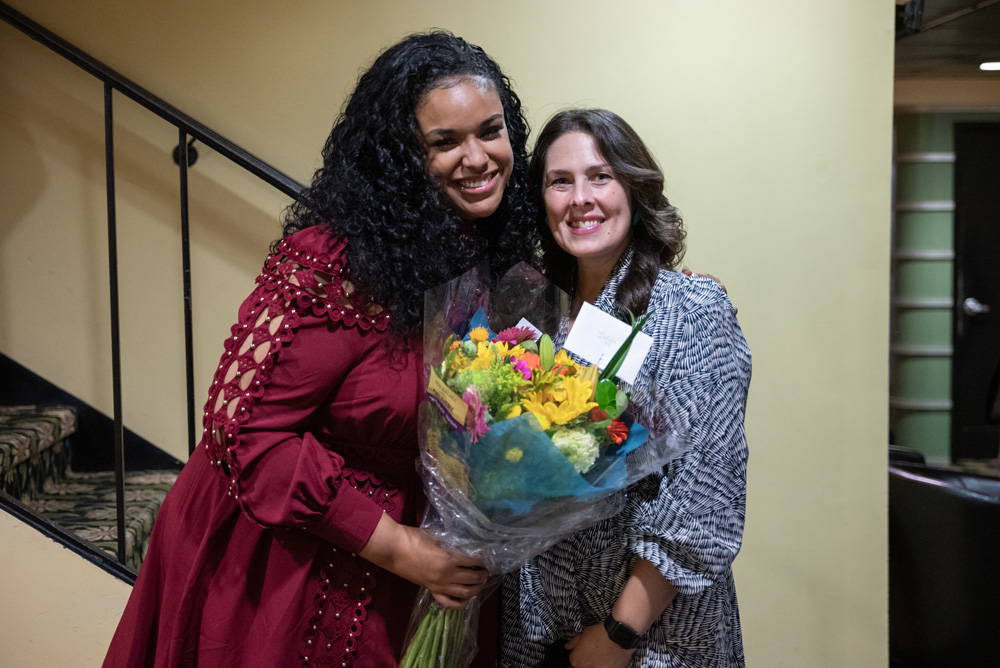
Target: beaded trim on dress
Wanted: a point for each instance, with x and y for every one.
(293, 282)
(298, 281)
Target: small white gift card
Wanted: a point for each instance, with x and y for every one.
(596, 336)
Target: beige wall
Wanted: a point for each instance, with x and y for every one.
(771, 120)
(56, 609)
(53, 243)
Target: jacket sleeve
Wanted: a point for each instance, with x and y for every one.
(288, 355)
(689, 522)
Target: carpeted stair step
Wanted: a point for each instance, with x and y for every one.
(84, 503)
(33, 446)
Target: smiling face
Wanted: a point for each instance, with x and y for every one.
(462, 129)
(587, 207)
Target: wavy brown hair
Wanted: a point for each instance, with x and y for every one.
(657, 232)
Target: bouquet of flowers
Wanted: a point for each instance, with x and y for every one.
(521, 445)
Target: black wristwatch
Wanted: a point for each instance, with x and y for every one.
(622, 635)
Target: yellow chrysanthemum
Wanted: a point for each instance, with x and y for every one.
(479, 334)
(540, 411)
(544, 395)
(483, 358)
(563, 359)
(589, 375)
(569, 401)
(514, 412)
(578, 394)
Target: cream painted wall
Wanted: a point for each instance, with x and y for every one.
(772, 121)
(56, 609)
(54, 251)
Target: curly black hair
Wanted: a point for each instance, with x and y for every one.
(403, 233)
(657, 231)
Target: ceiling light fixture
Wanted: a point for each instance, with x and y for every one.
(993, 66)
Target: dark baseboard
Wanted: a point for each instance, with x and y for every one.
(93, 442)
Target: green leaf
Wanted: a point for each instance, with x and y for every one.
(606, 396)
(447, 346)
(621, 403)
(598, 428)
(616, 361)
(530, 346)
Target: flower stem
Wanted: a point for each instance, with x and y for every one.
(459, 630)
(425, 659)
(435, 642)
(446, 645)
(409, 659)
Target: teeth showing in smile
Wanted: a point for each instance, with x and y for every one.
(584, 224)
(469, 184)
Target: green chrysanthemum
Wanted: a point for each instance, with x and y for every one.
(580, 447)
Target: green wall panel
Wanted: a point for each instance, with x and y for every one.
(924, 230)
(923, 278)
(922, 327)
(921, 181)
(922, 378)
(926, 431)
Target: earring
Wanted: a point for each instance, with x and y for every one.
(635, 218)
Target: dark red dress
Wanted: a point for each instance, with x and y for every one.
(310, 434)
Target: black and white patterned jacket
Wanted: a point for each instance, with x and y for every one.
(687, 522)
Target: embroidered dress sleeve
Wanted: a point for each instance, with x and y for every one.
(298, 336)
(689, 523)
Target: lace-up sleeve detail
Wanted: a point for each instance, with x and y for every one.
(298, 336)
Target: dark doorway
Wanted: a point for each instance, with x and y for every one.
(976, 329)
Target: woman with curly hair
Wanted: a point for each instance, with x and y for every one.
(652, 586)
(290, 537)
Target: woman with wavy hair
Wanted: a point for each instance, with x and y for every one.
(290, 537)
(652, 586)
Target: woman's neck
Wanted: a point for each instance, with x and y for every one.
(590, 280)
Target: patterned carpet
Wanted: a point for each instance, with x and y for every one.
(35, 468)
(34, 446)
(84, 504)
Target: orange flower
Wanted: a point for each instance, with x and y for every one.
(531, 359)
(617, 431)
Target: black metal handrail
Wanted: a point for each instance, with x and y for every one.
(187, 127)
(71, 541)
(158, 106)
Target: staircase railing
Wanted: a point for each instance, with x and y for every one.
(187, 127)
